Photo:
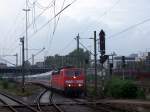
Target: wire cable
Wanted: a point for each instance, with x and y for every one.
(54, 15)
(67, 46)
(55, 25)
(58, 17)
(53, 18)
(130, 27)
(7, 61)
(37, 17)
(105, 13)
(109, 10)
(85, 47)
(12, 30)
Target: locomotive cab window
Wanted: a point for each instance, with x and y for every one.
(73, 73)
(56, 73)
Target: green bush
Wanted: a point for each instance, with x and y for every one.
(5, 84)
(140, 94)
(118, 88)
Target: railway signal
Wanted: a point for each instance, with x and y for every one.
(111, 67)
(123, 62)
(102, 42)
(103, 58)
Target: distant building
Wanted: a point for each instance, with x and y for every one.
(40, 64)
(129, 60)
(144, 59)
(3, 65)
(133, 55)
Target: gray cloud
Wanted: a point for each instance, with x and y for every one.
(82, 17)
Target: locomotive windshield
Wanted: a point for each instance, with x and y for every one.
(73, 73)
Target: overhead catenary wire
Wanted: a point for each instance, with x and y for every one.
(109, 10)
(86, 48)
(41, 7)
(38, 16)
(55, 25)
(105, 13)
(49, 20)
(52, 35)
(37, 4)
(130, 27)
(67, 46)
(58, 18)
(37, 53)
(12, 29)
(7, 61)
(33, 17)
(54, 14)
(53, 18)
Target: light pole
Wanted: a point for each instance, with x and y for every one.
(23, 63)
(33, 55)
(26, 23)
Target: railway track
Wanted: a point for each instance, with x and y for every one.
(21, 106)
(52, 106)
(96, 106)
(7, 105)
(58, 108)
(39, 98)
(103, 106)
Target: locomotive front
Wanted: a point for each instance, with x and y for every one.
(74, 79)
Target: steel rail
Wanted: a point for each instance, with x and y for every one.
(94, 104)
(54, 104)
(10, 107)
(39, 98)
(57, 107)
(20, 102)
(103, 107)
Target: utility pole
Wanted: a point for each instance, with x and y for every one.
(26, 11)
(95, 61)
(78, 37)
(16, 59)
(15, 55)
(23, 63)
(123, 67)
(20, 55)
(33, 55)
(44, 61)
(32, 59)
(62, 60)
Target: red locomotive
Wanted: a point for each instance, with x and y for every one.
(69, 80)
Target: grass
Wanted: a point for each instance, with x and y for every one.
(91, 91)
(16, 88)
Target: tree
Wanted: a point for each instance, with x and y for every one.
(58, 61)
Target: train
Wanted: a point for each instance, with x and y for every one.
(70, 80)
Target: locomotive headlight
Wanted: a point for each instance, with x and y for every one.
(74, 77)
(69, 85)
(79, 85)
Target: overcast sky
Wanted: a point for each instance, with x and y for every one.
(83, 17)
